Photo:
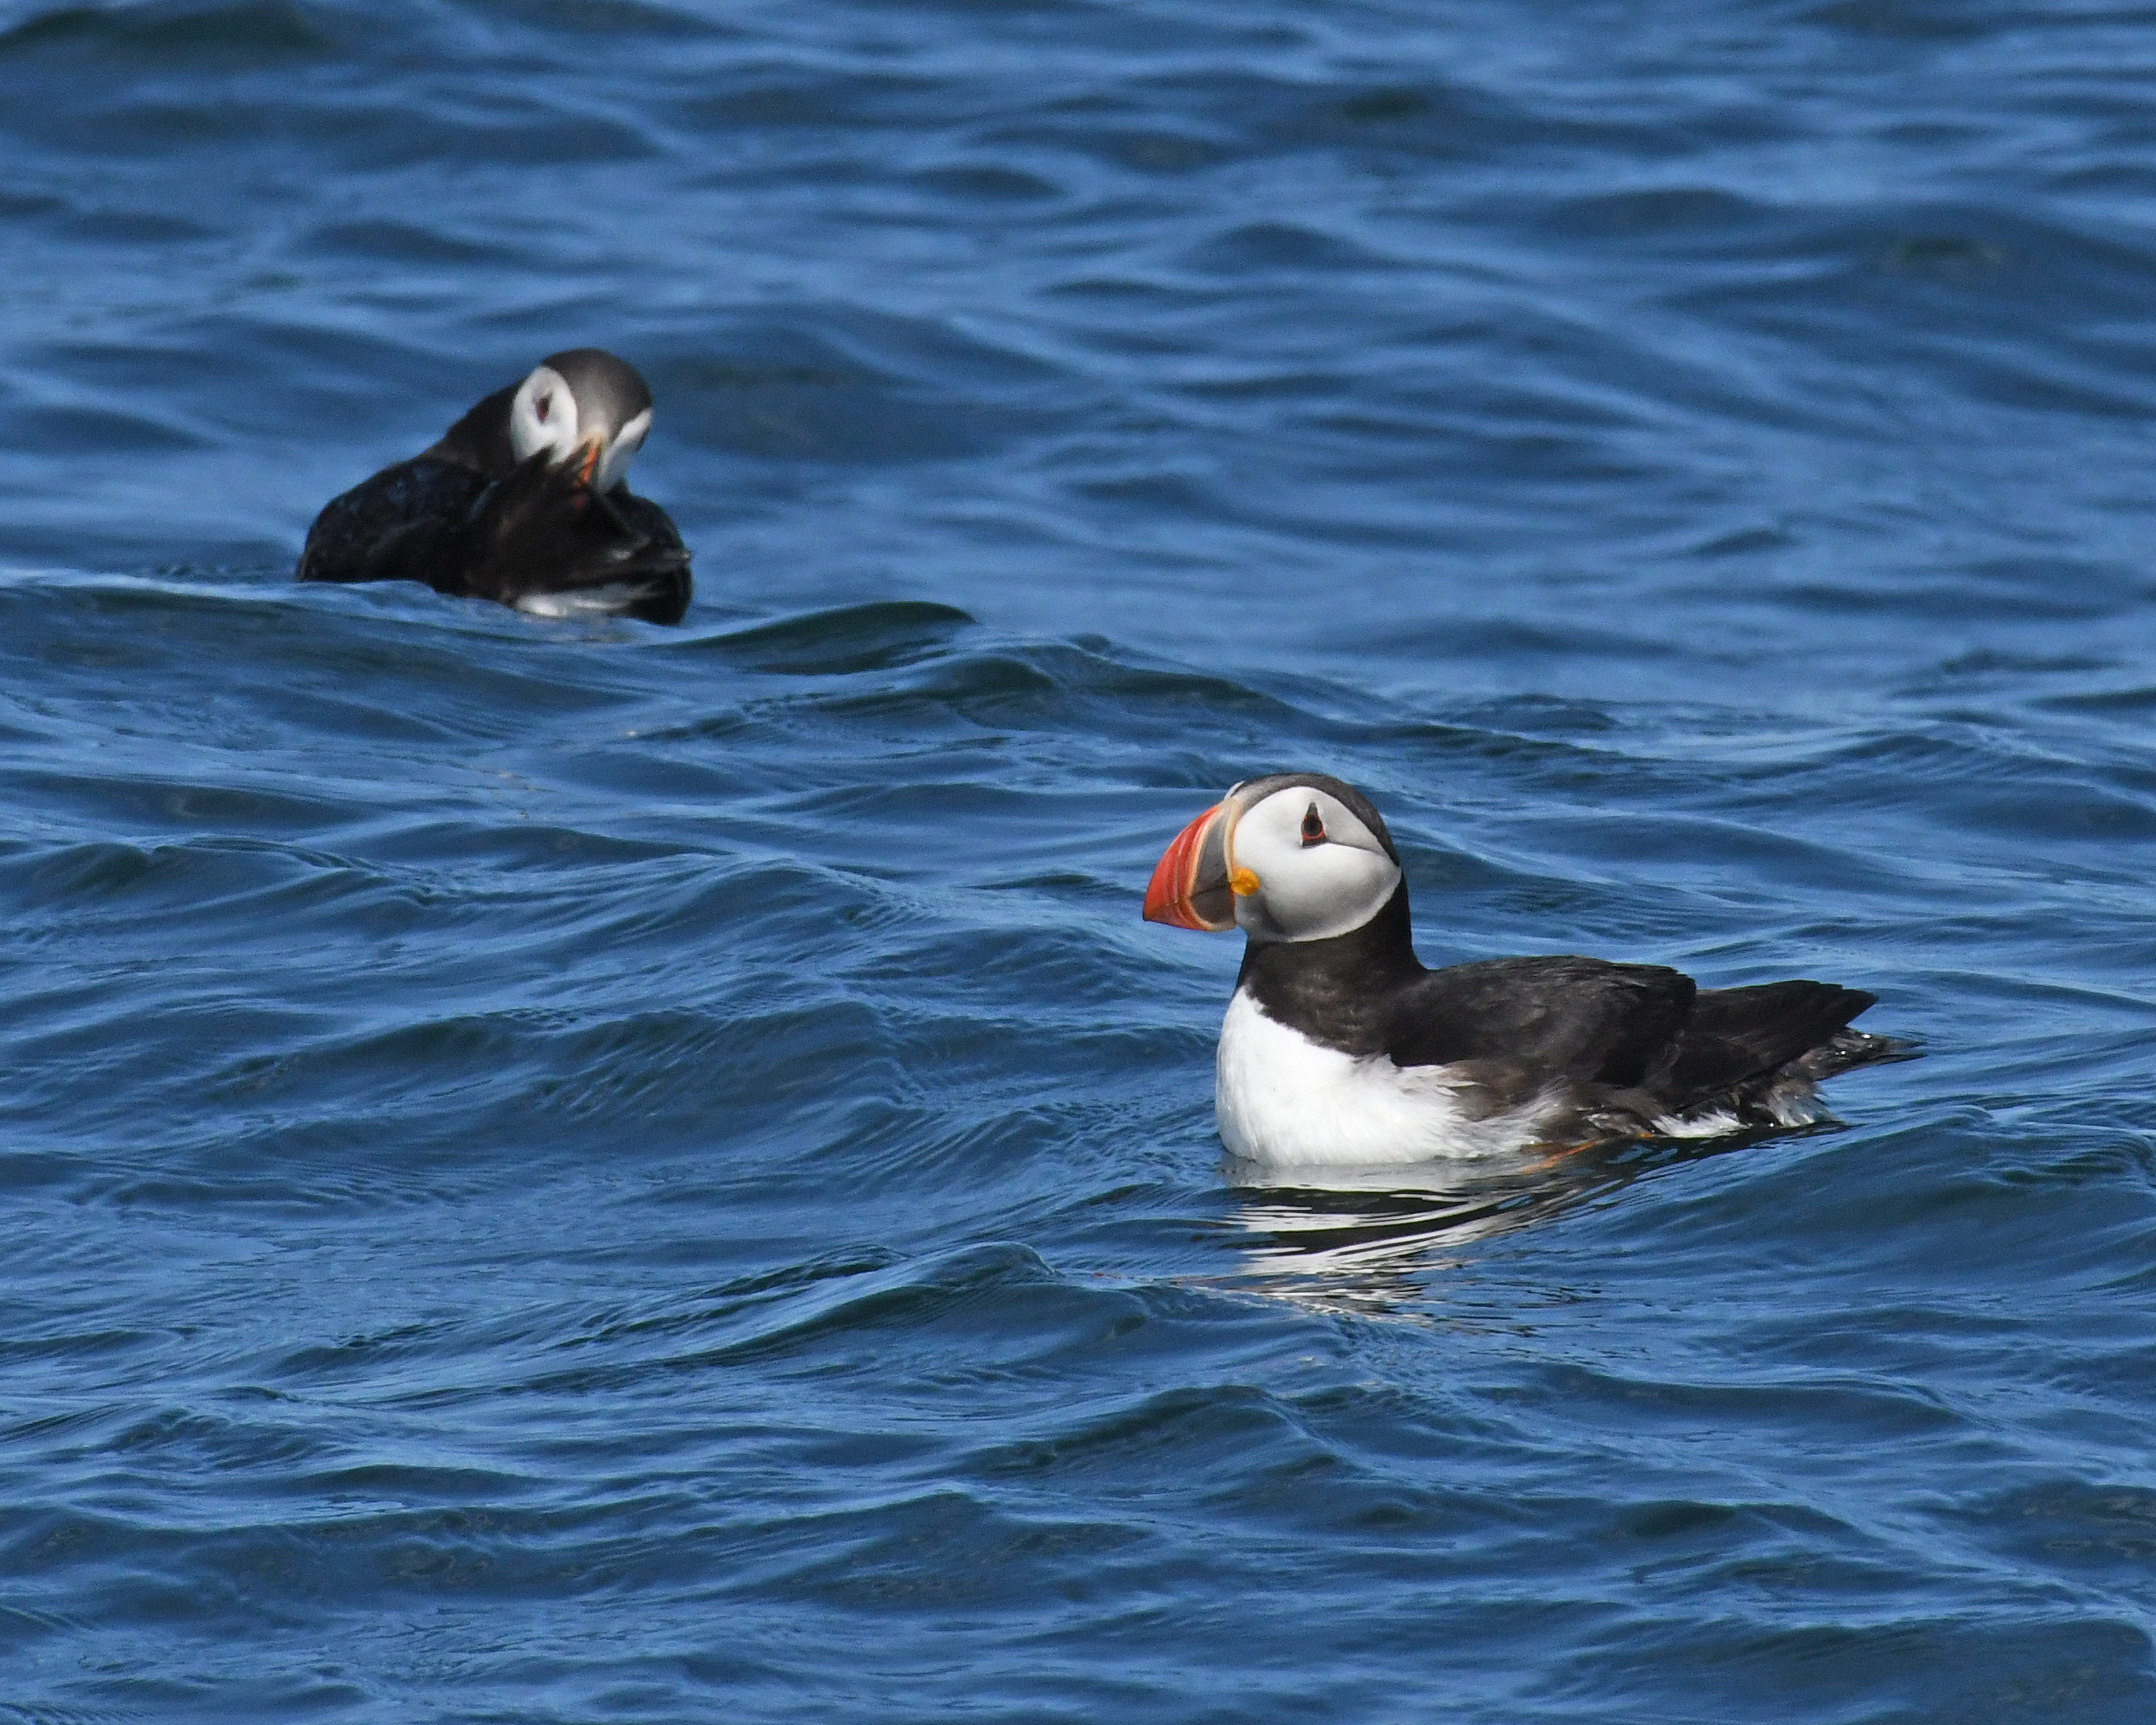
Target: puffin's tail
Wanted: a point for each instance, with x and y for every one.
(1847, 1049)
(1761, 1051)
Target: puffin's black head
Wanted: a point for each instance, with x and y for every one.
(1293, 856)
(584, 404)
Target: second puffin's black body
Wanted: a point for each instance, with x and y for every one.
(467, 519)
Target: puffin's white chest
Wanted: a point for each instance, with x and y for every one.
(610, 600)
(1282, 1098)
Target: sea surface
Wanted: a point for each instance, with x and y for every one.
(581, 1172)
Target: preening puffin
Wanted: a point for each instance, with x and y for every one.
(523, 501)
(1340, 1048)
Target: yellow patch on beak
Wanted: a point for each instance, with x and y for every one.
(1242, 884)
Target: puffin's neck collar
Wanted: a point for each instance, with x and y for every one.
(1337, 991)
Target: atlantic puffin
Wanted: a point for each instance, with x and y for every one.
(1341, 1049)
(523, 502)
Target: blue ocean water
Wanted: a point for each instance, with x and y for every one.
(580, 1172)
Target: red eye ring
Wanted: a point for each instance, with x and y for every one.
(1314, 827)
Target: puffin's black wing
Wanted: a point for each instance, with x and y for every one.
(401, 525)
(1586, 1019)
(646, 519)
(541, 536)
(1737, 1034)
(665, 555)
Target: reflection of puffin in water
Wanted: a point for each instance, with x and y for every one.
(1370, 1239)
(522, 501)
(1340, 1049)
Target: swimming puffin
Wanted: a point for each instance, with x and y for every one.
(523, 501)
(1340, 1048)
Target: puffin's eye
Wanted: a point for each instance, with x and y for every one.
(1313, 826)
(539, 404)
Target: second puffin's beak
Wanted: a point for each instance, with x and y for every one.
(590, 452)
(1194, 884)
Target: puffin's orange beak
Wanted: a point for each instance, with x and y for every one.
(1190, 887)
(593, 447)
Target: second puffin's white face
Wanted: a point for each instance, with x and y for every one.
(614, 465)
(1320, 872)
(543, 417)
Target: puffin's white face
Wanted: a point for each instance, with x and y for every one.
(1319, 870)
(613, 462)
(1281, 861)
(544, 417)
